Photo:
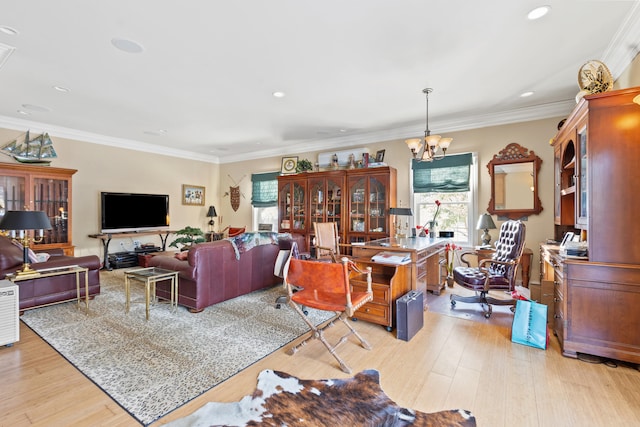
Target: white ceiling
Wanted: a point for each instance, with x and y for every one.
(353, 71)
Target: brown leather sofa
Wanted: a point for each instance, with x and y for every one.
(44, 291)
(217, 271)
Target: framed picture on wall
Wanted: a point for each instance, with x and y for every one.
(193, 195)
(380, 156)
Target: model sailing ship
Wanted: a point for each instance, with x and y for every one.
(38, 150)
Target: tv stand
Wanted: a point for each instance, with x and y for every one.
(105, 238)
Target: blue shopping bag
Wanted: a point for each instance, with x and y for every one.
(529, 325)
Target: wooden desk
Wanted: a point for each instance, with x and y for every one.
(424, 268)
(525, 261)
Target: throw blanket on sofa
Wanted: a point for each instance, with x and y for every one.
(246, 241)
(284, 400)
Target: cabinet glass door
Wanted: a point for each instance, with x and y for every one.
(377, 206)
(581, 190)
(358, 208)
(52, 197)
(12, 194)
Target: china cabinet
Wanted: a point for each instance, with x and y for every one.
(358, 200)
(597, 151)
(40, 188)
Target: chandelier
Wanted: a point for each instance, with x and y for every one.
(430, 143)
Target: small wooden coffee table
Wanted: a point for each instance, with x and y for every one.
(150, 276)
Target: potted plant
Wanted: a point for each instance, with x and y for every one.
(188, 236)
(304, 165)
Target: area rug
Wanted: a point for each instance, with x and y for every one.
(152, 367)
(284, 400)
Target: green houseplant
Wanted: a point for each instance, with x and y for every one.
(188, 236)
(304, 165)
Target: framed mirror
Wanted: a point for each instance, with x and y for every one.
(514, 182)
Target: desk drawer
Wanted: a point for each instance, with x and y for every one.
(381, 294)
(375, 313)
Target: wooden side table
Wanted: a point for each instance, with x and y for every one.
(525, 261)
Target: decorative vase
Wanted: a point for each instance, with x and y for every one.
(450, 281)
(432, 229)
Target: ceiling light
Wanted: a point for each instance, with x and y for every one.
(38, 108)
(128, 46)
(278, 94)
(8, 30)
(538, 12)
(430, 143)
(24, 113)
(158, 132)
(61, 89)
(526, 94)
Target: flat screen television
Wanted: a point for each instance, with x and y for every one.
(126, 212)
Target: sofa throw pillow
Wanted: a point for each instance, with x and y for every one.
(182, 255)
(42, 256)
(32, 255)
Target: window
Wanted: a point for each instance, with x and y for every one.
(452, 181)
(264, 199)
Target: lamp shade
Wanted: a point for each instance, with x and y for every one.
(400, 211)
(485, 222)
(25, 220)
(212, 212)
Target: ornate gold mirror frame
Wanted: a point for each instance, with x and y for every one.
(514, 182)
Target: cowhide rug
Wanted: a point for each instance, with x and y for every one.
(283, 400)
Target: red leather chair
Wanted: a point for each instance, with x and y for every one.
(325, 286)
(498, 272)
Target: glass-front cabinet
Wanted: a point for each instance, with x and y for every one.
(370, 197)
(40, 188)
(325, 198)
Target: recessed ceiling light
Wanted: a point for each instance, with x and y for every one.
(38, 108)
(538, 12)
(61, 89)
(158, 132)
(128, 46)
(278, 94)
(8, 30)
(24, 113)
(526, 94)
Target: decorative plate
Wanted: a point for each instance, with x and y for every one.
(595, 77)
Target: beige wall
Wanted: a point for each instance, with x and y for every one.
(104, 168)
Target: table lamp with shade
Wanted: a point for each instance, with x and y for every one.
(211, 213)
(400, 230)
(485, 222)
(18, 224)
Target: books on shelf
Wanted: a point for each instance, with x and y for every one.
(397, 258)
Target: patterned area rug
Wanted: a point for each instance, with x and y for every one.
(152, 367)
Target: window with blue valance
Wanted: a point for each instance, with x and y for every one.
(448, 175)
(264, 193)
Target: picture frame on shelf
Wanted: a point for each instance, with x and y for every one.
(193, 195)
(289, 165)
(380, 156)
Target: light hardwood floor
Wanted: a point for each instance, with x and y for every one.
(450, 363)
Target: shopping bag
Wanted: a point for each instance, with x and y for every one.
(529, 325)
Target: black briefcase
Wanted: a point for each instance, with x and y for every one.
(409, 315)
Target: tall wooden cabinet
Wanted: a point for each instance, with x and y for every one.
(40, 188)
(597, 178)
(358, 200)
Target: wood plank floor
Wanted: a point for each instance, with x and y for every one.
(450, 363)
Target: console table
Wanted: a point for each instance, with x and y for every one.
(424, 268)
(105, 238)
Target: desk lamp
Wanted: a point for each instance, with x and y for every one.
(19, 223)
(485, 222)
(211, 213)
(398, 226)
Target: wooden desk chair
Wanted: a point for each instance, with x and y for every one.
(325, 286)
(327, 240)
(497, 272)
